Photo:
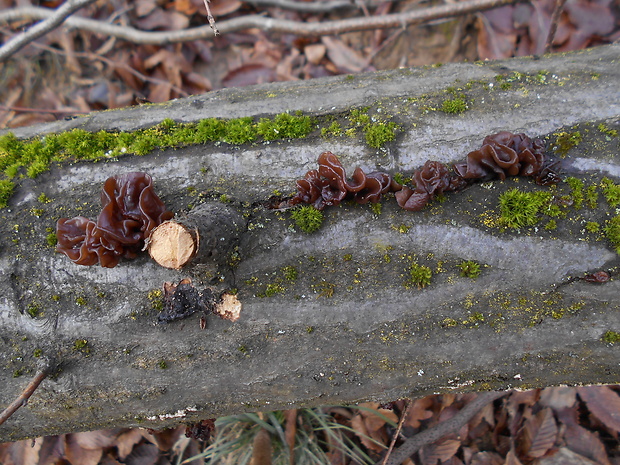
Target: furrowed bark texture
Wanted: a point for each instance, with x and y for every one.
(328, 317)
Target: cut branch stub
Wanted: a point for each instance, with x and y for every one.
(210, 232)
(173, 244)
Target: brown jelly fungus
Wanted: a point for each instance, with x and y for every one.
(328, 185)
(131, 210)
(504, 154)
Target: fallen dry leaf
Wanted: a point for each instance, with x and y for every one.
(315, 53)
(345, 58)
(604, 403)
(586, 444)
(539, 434)
(558, 398)
(441, 451)
(418, 411)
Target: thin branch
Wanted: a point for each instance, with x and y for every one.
(211, 19)
(553, 27)
(23, 398)
(429, 436)
(403, 416)
(52, 21)
(300, 28)
(306, 7)
(38, 110)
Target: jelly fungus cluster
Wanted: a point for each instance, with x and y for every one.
(501, 155)
(131, 210)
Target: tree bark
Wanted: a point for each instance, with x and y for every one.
(328, 317)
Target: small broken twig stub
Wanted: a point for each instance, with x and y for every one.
(209, 233)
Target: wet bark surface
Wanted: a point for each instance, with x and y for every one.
(328, 317)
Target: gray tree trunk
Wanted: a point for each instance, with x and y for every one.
(348, 328)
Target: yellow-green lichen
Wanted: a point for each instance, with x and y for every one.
(376, 208)
(290, 273)
(273, 289)
(324, 289)
(565, 141)
(155, 296)
(611, 337)
(42, 198)
(608, 132)
(81, 345)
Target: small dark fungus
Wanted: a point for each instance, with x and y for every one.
(597, 277)
(183, 299)
(504, 154)
(200, 431)
(131, 210)
(433, 179)
(329, 185)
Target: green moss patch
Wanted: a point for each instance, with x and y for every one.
(419, 275)
(611, 192)
(6, 190)
(379, 134)
(611, 337)
(612, 232)
(285, 126)
(308, 218)
(520, 209)
(469, 269)
(454, 106)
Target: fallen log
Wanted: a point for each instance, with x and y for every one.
(378, 303)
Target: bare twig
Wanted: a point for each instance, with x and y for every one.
(52, 21)
(299, 28)
(403, 416)
(414, 443)
(553, 27)
(38, 110)
(211, 19)
(23, 398)
(317, 7)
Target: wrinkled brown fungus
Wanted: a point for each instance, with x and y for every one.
(501, 155)
(599, 277)
(433, 179)
(329, 184)
(504, 154)
(131, 210)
